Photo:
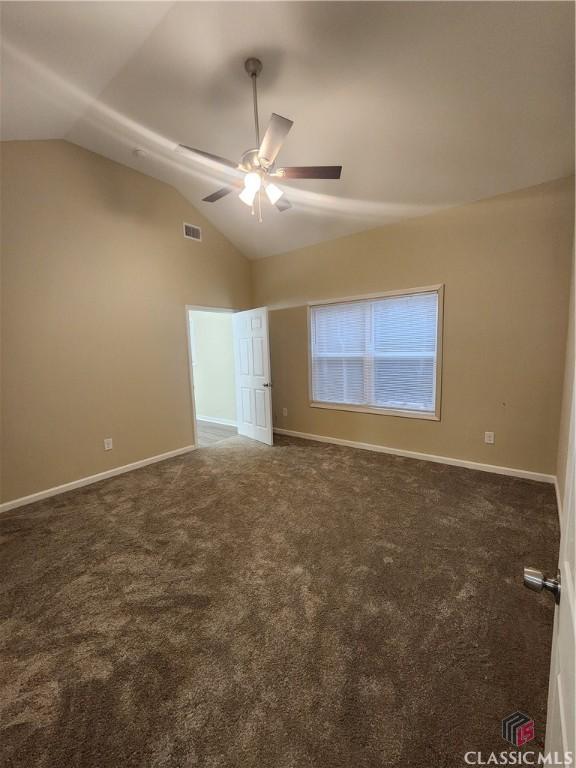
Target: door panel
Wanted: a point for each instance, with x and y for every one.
(260, 408)
(245, 357)
(258, 352)
(246, 406)
(252, 355)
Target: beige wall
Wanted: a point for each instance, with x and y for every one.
(213, 365)
(505, 264)
(96, 276)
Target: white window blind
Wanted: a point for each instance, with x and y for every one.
(376, 353)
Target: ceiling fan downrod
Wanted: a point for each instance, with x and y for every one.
(254, 66)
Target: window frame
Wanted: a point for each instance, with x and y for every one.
(425, 415)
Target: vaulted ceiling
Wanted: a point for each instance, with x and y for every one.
(425, 105)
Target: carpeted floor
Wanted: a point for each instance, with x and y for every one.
(302, 606)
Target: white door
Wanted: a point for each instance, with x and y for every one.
(253, 385)
(561, 719)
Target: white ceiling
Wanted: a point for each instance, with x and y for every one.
(424, 104)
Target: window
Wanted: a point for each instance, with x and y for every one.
(378, 354)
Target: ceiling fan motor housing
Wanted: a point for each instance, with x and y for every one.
(251, 162)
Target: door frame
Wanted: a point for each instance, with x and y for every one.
(197, 308)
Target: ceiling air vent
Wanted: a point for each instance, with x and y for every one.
(192, 232)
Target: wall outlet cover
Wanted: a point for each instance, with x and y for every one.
(489, 438)
(108, 444)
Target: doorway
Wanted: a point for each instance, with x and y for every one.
(211, 350)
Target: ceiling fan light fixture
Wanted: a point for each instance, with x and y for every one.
(252, 181)
(273, 193)
(247, 195)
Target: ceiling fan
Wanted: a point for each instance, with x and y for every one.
(258, 165)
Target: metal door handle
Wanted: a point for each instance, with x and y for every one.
(267, 385)
(537, 581)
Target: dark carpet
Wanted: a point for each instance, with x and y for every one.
(302, 606)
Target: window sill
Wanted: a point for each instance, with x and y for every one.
(426, 416)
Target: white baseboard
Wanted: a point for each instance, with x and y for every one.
(524, 473)
(214, 420)
(92, 479)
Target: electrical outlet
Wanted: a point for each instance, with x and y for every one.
(284, 411)
(489, 438)
(108, 445)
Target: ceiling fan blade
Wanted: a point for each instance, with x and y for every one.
(309, 172)
(276, 132)
(217, 195)
(209, 155)
(283, 204)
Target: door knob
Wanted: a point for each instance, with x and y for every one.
(536, 580)
(267, 385)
